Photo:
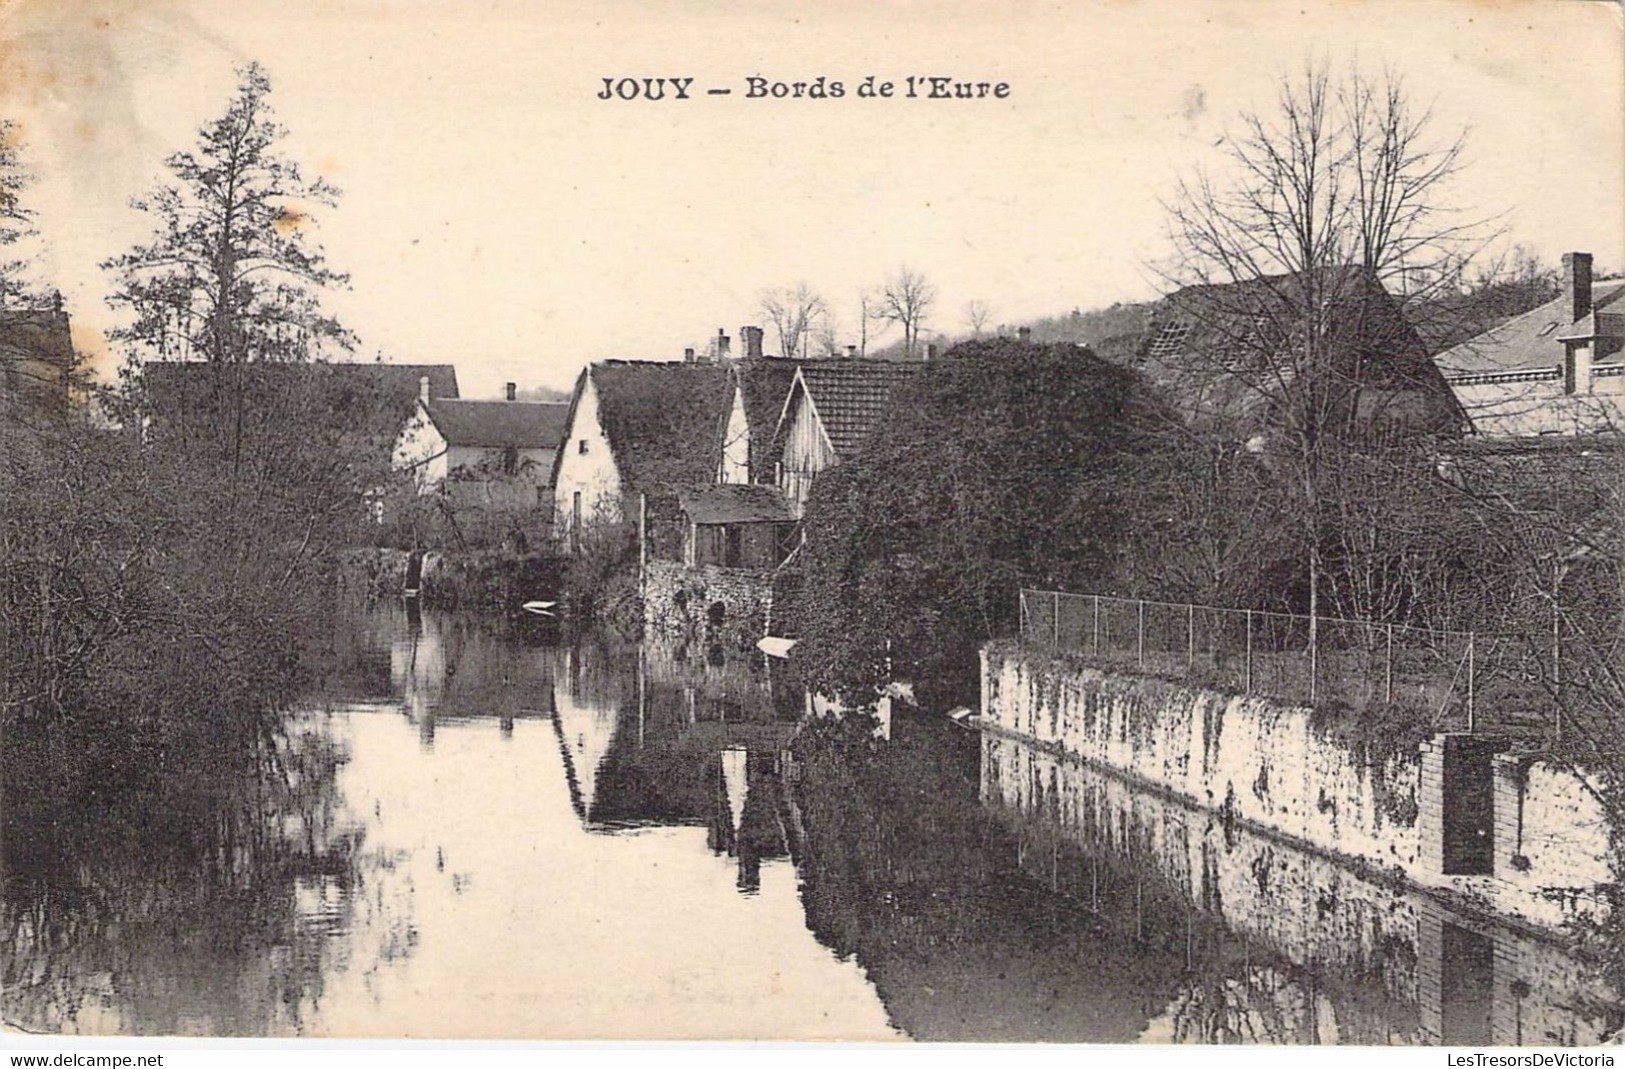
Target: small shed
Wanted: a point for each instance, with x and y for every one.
(736, 525)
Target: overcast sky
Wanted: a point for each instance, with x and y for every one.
(498, 216)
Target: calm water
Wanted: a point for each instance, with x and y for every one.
(492, 832)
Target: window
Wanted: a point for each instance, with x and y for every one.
(1169, 339)
(581, 447)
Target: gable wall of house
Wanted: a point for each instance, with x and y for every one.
(422, 450)
(587, 467)
(806, 453)
(735, 463)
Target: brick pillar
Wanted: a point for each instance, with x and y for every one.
(1509, 784)
(1430, 807)
(1430, 970)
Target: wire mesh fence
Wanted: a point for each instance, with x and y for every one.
(1461, 681)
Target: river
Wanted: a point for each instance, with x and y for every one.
(494, 830)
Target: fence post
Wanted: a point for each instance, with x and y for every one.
(1247, 679)
(1022, 603)
(1096, 600)
(1190, 638)
(1139, 639)
(1057, 596)
(1314, 650)
(1471, 637)
(1388, 671)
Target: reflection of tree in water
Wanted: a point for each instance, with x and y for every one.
(905, 870)
(197, 909)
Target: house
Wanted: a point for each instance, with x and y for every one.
(831, 408)
(1251, 353)
(635, 429)
(36, 361)
(1555, 373)
(736, 525)
(495, 454)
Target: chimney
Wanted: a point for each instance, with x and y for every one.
(750, 342)
(931, 350)
(508, 391)
(1024, 334)
(852, 351)
(688, 355)
(719, 347)
(1577, 284)
(423, 388)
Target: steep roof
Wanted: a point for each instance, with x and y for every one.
(1202, 342)
(660, 419)
(735, 503)
(499, 424)
(851, 397)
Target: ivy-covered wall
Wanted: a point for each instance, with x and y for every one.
(1370, 795)
(708, 604)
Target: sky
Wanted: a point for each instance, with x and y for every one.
(498, 216)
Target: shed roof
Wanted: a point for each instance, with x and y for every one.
(852, 397)
(735, 503)
(499, 424)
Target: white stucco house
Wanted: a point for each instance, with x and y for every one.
(495, 454)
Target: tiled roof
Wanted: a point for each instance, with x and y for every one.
(661, 420)
(852, 397)
(735, 503)
(499, 424)
(1533, 340)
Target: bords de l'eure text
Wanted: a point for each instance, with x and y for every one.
(759, 87)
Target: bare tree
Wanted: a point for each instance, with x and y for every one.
(1282, 263)
(795, 311)
(977, 316)
(905, 299)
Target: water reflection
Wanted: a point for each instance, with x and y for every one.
(487, 829)
(1284, 945)
(656, 735)
(506, 832)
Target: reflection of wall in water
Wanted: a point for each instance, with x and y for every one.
(1283, 769)
(1370, 962)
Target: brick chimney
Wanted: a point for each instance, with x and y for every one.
(930, 350)
(688, 355)
(423, 388)
(1577, 284)
(750, 342)
(508, 391)
(852, 351)
(1024, 334)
